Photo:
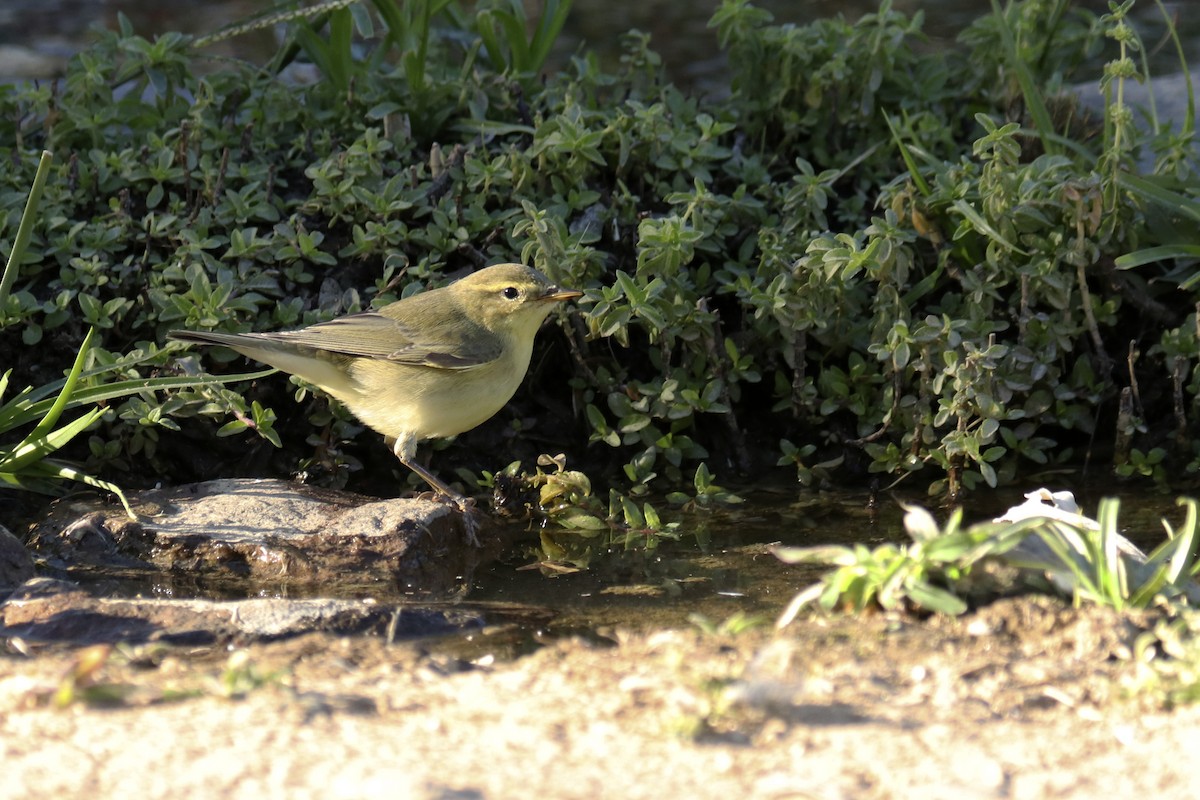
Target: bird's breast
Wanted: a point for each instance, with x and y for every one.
(428, 402)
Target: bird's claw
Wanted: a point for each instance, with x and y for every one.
(470, 516)
(465, 505)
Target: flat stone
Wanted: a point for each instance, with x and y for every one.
(49, 610)
(268, 532)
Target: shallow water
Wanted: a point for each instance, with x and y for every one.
(723, 566)
(719, 568)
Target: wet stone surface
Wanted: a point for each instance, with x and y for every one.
(47, 610)
(267, 531)
(245, 538)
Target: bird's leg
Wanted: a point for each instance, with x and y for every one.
(405, 450)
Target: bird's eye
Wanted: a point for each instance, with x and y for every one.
(511, 293)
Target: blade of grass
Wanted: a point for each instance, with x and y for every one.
(1059, 539)
(60, 403)
(983, 226)
(24, 229)
(340, 51)
(1034, 102)
(33, 448)
(1145, 592)
(111, 391)
(44, 476)
(1151, 254)
(918, 179)
(1110, 564)
(1189, 119)
(1149, 190)
(554, 16)
(1189, 564)
(117, 389)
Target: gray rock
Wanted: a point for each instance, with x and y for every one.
(48, 610)
(269, 532)
(24, 63)
(1167, 92)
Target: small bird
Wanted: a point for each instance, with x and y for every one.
(428, 366)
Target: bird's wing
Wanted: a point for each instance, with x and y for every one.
(373, 335)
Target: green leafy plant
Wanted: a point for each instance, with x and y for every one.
(1089, 562)
(1099, 566)
(586, 527)
(1167, 661)
(892, 265)
(893, 576)
(27, 463)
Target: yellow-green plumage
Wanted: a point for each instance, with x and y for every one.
(429, 366)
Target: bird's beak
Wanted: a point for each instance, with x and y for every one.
(556, 294)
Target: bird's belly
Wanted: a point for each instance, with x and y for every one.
(428, 403)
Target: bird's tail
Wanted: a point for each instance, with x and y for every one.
(309, 363)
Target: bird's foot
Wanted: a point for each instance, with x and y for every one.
(466, 507)
(470, 515)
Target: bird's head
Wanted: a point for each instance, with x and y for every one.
(509, 298)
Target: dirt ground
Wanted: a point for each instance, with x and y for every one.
(1026, 698)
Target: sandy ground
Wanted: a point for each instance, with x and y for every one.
(1026, 698)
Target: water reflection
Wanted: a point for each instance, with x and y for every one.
(720, 569)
